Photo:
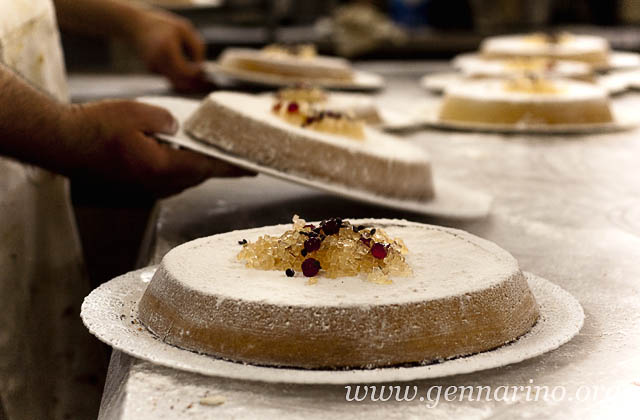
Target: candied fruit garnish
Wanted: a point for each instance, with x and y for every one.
(312, 244)
(379, 251)
(332, 249)
(310, 267)
(312, 115)
(331, 226)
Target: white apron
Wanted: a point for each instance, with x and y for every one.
(47, 360)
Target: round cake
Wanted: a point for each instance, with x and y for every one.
(326, 146)
(476, 66)
(590, 49)
(296, 62)
(526, 102)
(460, 295)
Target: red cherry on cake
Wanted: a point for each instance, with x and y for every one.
(312, 244)
(310, 267)
(379, 251)
(331, 226)
(293, 107)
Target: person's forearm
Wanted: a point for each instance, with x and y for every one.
(99, 17)
(31, 123)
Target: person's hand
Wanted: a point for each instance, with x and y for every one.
(109, 141)
(170, 45)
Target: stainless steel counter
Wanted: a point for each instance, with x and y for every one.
(568, 208)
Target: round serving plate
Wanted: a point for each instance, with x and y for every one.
(451, 200)
(110, 313)
(618, 60)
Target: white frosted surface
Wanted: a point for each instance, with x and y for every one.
(445, 262)
(258, 108)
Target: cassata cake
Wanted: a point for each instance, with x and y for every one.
(526, 101)
(590, 49)
(319, 144)
(299, 62)
(475, 66)
(443, 293)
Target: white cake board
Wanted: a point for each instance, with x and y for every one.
(426, 116)
(618, 60)
(110, 313)
(451, 200)
(615, 82)
(362, 81)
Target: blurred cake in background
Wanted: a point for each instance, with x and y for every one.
(526, 101)
(296, 61)
(590, 49)
(476, 66)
